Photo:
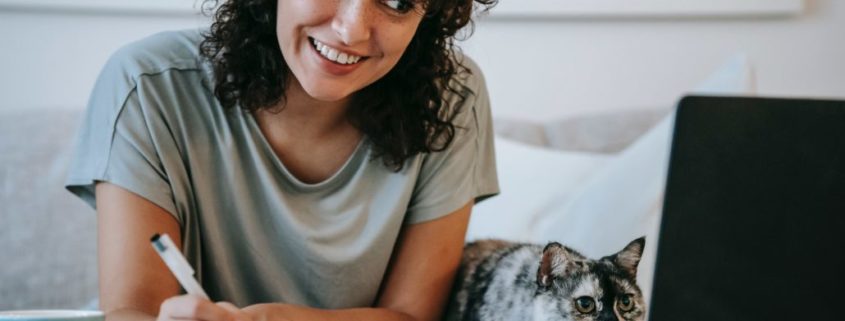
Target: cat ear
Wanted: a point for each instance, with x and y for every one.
(629, 258)
(556, 260)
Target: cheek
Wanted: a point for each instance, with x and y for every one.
(396, 36)
(394, 47)
(293, 9)
(294, 15)
(284, 25)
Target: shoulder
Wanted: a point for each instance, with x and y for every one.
(138, 77)
(471, 100)
(155, 54)
(474, 79)
(166, 66)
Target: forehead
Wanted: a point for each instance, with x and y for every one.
(588, 285)
(597, 282)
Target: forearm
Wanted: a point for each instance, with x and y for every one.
(288, 312)
(128, 315)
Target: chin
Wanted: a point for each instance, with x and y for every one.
(327, 92)
(327, 95)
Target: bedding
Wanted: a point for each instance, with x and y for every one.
(593, 196)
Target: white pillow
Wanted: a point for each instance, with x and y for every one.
(595, 203)
(533, 180)
(624, 199)
(619, 204)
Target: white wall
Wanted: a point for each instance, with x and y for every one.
(540, 69)
(535, 69)
(51, 59)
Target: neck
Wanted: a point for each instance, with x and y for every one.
(301, 115)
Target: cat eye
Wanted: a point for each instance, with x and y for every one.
(585, 304)
(625, 303)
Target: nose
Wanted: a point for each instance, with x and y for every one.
(352, 21)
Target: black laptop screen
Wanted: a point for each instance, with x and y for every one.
(753, 224)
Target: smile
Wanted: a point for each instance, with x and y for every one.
(335, 55)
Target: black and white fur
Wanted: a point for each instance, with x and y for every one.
(500, 280)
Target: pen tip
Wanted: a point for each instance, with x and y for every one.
(155, 237)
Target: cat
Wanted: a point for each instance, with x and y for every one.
(500, 280)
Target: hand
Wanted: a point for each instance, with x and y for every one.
(189, 307)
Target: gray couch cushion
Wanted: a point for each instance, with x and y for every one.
(48, 235)
(602, 132)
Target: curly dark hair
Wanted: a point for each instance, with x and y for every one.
(403, 113)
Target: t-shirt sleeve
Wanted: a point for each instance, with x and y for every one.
(117, 142)
(466, 169)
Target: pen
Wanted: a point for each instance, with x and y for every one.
(177, 264)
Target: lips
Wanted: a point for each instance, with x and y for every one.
(334, 66)
(334, 54)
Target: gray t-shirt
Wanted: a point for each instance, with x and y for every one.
(253, 232)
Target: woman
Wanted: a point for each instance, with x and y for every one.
(314, 159)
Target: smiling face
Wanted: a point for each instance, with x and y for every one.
(336, 47)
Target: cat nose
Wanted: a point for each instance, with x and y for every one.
(607, 314)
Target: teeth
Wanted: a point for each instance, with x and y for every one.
(334, 54)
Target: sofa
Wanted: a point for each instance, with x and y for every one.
(561, 180)
(49, 236)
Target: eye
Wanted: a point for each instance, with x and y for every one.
(625, 303)
(585, 304)
(400, 6)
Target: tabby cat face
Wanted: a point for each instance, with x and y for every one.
(573, 287)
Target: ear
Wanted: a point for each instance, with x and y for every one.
(629, 258)
(556, 260)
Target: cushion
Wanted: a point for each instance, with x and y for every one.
(531, 179)
(48, 236)
(605, 204)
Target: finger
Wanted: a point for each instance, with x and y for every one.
(239, 314)
(228, 306)
(194, 308)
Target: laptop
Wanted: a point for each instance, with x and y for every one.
(753, 223)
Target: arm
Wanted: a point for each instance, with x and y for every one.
(417, 283)
(135, 284)
(133, 279)
(134, 287)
